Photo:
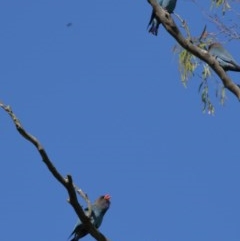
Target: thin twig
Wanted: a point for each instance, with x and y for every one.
(85, 197)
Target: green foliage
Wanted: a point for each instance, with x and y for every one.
(222, 94)
(206, 72)
(190, 66)
(187, 65)
(207, 104)
(204, 90)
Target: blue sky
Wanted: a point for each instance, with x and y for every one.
(105, 99)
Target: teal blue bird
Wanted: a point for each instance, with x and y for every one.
(99, 208)
(224, 58)
(169, 6)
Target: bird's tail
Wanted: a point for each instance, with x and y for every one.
(150, 21)
(73, 239)
(74, 236)
(153, 25)
(234, 67)
(238, 68)
(153, 30)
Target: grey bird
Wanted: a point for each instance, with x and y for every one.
(224, 58)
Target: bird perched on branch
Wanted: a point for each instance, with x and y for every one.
(224, 58)
(169, 6)
(99, 208)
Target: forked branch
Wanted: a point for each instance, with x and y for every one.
(66, 182)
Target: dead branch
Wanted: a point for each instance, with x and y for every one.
(66, 182)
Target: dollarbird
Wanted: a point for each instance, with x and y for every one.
(99, 208)
(169, 6)
(224, 58)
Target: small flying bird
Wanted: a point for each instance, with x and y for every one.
(169, 6)
(69, 24)
(224, 58)
(99, 208)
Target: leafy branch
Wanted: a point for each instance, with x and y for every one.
(187, 44)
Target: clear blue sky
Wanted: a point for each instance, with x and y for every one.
(105, 99)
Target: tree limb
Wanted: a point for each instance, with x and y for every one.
(169, 24)
(67, 183)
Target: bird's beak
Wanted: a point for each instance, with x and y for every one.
(107, 197)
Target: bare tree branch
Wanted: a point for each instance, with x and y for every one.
(169, 24)
(229, 31)
(67, 183)
(85, 197)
